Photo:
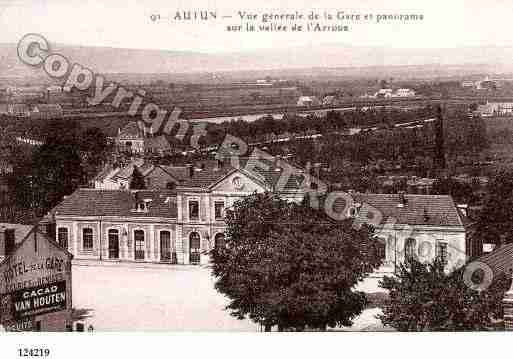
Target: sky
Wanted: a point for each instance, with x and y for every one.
(128, 24)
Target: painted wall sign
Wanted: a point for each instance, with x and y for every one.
(36, 300)
(24, 325)
(20, 268)
(35, 286)
(22, 274)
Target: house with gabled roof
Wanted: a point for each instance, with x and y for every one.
(155, 176)
(131, 138)
(137, 139)
(425, 227)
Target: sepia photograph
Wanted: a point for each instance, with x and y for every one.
(239, 167)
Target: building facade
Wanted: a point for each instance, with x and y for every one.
(424, 227)
(496, 109)
(35, 290)
(171, 226)
(182, 225)
(130, 139)
(46, 111)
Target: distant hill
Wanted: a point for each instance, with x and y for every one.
(318, 59)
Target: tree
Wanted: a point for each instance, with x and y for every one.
(56, 172)
(304, 151)
(496, 217)
(137, 181)
(423, 297)
(94, 148)
(461, 192)
(290, 266)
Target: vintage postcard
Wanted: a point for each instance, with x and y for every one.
(226, 166)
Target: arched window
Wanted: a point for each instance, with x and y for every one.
(62, 237)
(139, 244)
(113, 237)
(87, 239)
(194, 248)
(219, 241)
(409, 249)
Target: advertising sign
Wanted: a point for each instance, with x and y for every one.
(34, 301)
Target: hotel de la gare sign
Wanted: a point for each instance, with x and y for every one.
(35, 291)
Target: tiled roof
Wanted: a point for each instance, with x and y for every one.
(270, 176)
(21, 234)
(127, 171)
(20, 230)
(426, 210)
(207, 177)
(95, 202)
(181, 173)
(500, 260)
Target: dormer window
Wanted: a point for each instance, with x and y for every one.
(354, 210)
(237, 183)
(143, 205)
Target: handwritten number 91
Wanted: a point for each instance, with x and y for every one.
(155, 17)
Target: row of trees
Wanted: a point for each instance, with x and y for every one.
(292, 123)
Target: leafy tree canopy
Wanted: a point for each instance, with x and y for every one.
(461, 192)
(422, 297)
(496, 217)
(289, 265)
(137, 181)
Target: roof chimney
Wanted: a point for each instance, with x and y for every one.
(219, 164)
(426, 215)
(9, 241)
(402, 200)
(190, 170)
(463, 208)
